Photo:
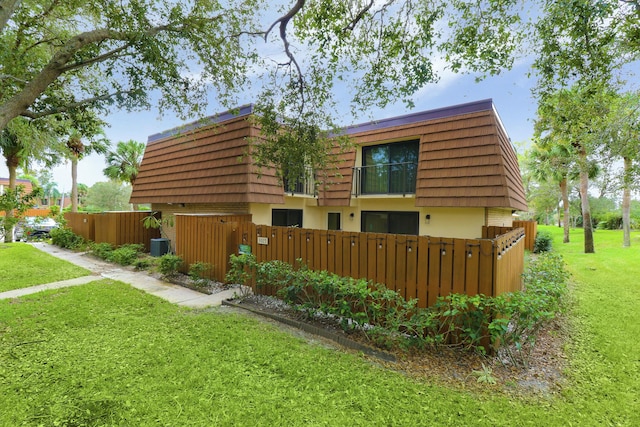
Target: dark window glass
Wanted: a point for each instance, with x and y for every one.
(286, 217)
(390, 222)
(334, 221)
(390, 168)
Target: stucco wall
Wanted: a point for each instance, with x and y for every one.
(443, 222)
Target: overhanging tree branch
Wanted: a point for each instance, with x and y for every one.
(72, 105)
(7, 8)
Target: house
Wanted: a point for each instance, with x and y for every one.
(444, 173)
(4, 184)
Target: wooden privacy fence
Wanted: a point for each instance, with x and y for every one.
(117, 228)
(208, 238)
(419, 267)
(530, 231)
(82, 224)
(34, 212)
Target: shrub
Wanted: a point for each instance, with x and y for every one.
(197, 272)
(66, 238)
(510, 323)
(126, 254)
(142, 263)
(169, 265)
(542, 242)
(610, 221)
(102, 250)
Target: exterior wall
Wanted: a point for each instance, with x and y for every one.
(463, 223)
(499, 217)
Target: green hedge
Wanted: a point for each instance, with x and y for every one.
(509, 323)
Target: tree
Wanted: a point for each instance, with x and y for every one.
(19, 143)
(62, 56)
(82, 124)
(108, 196)
(123, 163)
(15, 202)
(553, 163)
(578, 58)
(49, 187)
(621, 130)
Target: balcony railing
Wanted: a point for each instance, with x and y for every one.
(390, 178)
(304, 186)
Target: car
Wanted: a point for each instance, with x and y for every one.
(34, 227)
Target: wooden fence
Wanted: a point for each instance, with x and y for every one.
(82, 224)
(34, 212)
(207, 238)
(530, 231)
(419, 267)
(117, 228)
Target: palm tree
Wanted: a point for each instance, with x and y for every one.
(77, 150)
(124, 162)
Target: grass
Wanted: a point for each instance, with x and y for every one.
(107, 354)
(22, 265)
(606, 323)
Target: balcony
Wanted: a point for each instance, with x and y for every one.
(389, 178)
(306, 186)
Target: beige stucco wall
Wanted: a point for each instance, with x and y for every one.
(443, 222)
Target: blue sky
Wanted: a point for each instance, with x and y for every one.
(510, 91)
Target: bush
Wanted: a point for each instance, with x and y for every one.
(142, 263)
(197, 272)
(510, 323)
(66, 238)
(126, 254)
(542, 242)
(169, 265)
(610, 221)
(102, 250)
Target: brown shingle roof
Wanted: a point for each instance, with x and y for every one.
(204, 162)
(466, 160)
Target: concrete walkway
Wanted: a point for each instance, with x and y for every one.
(138, 279)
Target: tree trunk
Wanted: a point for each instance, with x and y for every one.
(74, 183)
(12, 165)
(586, 210)
(626, 203)
(565, 206)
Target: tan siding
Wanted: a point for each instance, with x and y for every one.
(499, 217)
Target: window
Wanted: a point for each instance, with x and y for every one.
(286, 217)
(390, 222)
(333, 221)
(390, 168)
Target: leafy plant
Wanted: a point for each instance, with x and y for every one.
(542, 242)
(509, 323)
(169, 265)
(197, 272)
(66, 238)
(485, 375)
(102, 250)
(126, 254)
(142, 263)
(155, 220)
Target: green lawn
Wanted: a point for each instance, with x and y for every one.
(107, 354)
(605, 355)
(22, 265)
